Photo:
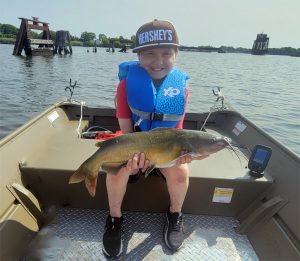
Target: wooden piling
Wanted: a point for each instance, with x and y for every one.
(24, 40)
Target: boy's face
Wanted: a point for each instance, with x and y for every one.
(158, 62)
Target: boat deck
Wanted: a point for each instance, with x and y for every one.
(77, 235)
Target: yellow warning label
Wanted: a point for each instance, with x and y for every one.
(223, 195)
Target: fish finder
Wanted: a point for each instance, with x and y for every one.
(259, 160)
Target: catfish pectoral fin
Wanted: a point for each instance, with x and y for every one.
(77, 177)
(148, 170)
(90, 184)
(113, 167)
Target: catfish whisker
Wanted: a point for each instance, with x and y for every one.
(233, 148)
(240, 146)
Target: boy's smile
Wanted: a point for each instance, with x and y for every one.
(158, 62)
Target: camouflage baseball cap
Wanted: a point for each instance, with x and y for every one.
(155, 34)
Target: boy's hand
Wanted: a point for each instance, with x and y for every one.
(188, 158)
(138, 162)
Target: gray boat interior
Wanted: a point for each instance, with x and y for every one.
(230, 215)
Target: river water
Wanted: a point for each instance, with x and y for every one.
(266, 89)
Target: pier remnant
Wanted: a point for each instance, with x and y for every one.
(260, 45)
(38, 46)
(123, 49)
(62, 42)
(112, 47)
(95, 46)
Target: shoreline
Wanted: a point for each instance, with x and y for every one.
(205, 49)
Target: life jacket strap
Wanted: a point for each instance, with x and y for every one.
(155, 116)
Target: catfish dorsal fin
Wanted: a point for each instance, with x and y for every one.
(161, 128)
(99, 143)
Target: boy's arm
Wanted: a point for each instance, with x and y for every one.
(126, 125)
(123, 112)
(122, 107)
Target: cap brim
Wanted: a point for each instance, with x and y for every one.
(154, 46)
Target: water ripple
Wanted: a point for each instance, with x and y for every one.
(264, 88)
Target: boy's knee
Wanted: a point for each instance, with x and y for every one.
(121, 175)
(181, 179)
(177, 174)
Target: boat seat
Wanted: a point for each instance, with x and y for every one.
(67, 152)
(221, 181)
(63, 154)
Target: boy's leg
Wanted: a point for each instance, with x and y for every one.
(177, 178)
(116, 186)
(112, 238)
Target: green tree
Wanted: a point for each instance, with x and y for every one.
(132, 38)
(74, 38)
(7, 29)
(102, 37)
(87, 37)
(104, 41)
(52, 35)
(35, 35)
(121, 39)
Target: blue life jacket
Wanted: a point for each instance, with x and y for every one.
(151, 106)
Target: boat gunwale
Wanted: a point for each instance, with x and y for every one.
(229, 110)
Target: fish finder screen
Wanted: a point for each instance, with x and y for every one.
(260, 156)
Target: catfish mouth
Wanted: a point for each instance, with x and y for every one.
(222, 143)
(219, 144)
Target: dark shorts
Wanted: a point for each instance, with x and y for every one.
(134, 178)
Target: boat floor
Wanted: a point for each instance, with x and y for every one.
(78, 233)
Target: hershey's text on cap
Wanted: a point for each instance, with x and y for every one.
(155, 35)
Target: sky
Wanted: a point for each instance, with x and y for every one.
(198, 22)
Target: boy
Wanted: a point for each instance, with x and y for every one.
(151, 93)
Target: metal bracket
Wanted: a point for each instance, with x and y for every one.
(261, 214)
(71, 88)
(220, 97)
(31, 204)
(27, 200)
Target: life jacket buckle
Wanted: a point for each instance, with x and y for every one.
(154, 116)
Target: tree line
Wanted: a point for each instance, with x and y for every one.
(273, 51)
(9, 33)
